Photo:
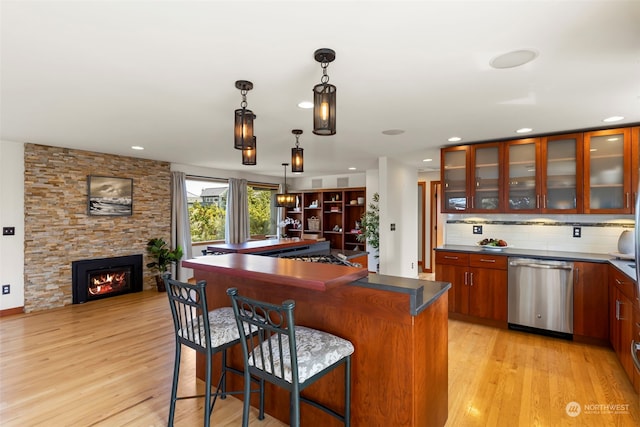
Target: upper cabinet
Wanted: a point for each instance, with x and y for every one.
(472, 179)
(607, 171)
(590, 172)
(522, 187)
(561, 174)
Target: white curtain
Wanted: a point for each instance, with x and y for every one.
(180, 228)
(237, 220)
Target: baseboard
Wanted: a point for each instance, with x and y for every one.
(11, 311)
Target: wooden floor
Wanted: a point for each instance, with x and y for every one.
(109, 362)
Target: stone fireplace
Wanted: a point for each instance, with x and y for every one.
(105, 277)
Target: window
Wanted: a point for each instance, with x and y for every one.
(207, 201)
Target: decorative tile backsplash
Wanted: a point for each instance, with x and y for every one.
(599, 233)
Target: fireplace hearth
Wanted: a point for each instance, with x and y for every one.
(105, 277)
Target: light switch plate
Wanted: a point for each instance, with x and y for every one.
(8, 231)
(477, 229)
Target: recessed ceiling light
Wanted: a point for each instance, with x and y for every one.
(513, 59)
(352, 168)
(306, 105)
(393, 132)
(137, 147)
(613, 119)
(427, 160)
(524, 130)
(454, 139)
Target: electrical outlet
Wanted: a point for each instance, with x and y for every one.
(8, 231)
(577, 231)
(477, 229)
(393, 227)
(6, 289)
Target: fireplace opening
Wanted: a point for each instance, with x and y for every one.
(105, 277)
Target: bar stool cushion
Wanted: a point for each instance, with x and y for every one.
(223, 328)
(316, 351)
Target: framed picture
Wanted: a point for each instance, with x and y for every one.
(110, 196)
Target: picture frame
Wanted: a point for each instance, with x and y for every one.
(109, 196)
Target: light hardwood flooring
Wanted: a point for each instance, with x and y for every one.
(109, 363)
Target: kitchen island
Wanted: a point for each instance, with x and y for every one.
(398, 327)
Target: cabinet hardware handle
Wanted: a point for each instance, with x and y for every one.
(544, 201)
(537, 201)
(487, 260)
(450, 257)
(471, 281)
(575, 279)
(617, 310)
(620, 282)
(472, 202)
(466, 278)
(626, 200)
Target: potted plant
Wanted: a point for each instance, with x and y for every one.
(370, 225)
(162, 257)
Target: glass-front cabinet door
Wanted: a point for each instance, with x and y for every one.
(485, 194)
(608, 171)
(454, 163)
(561, 173)
(521, 159)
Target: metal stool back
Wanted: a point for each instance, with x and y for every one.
(292, 357)
(208, 334)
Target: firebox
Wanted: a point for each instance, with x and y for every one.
(105, 277)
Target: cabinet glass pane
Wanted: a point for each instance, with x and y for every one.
(606, 172)
(486, 179)
(522, 176)
(455, 180)
(561, 174)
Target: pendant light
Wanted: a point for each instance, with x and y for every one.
(297, 157)
(324, 97)
(249, 153)
(284, 199)
(243, 128)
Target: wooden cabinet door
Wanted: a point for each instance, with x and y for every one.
(614, 323)
(485, 187)
(455, 178)
(522, 187)
(561, 173)
(459, 292)
(607, 171)
(626, 334)
(488, 293)
(591, 300)
(452, 267)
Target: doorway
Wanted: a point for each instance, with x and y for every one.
(430, 227)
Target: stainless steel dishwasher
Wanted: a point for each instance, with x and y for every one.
(540, 296)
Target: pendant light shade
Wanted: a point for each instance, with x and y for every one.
(284, 199)
(297, 154)
(324, 97)
(249, 153)
(243, 118)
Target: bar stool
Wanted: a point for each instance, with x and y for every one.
(292, 357)
(214, 333)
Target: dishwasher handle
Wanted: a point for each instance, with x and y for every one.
(544, 266)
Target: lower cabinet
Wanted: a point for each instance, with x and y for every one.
(590, 300)
(478, 284)
(622, 322)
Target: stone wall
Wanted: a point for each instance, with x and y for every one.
(58, 229)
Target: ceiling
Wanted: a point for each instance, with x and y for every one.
(104, 76)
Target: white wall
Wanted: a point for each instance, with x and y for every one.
(12, 215)
(327, 181)
(399, 207)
